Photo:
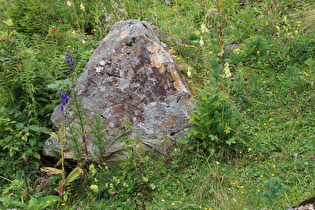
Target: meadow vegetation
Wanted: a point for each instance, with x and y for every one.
(250, 67)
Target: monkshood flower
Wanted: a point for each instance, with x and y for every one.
(64, 99)
(70, 61)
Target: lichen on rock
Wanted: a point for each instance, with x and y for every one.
(131, 77)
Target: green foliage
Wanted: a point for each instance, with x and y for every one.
(271, 94)
(271, 189)
(213, 120)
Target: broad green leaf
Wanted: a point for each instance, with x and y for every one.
(73, 175)
(52, 134)
(32, 141)
(220, 127)
(37, 155)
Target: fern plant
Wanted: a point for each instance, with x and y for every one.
(212, 122)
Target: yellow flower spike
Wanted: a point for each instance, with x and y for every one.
(173, 204)
(27, 134)
(94, 29)
(22, 138)
(264, 123)
(68, 46)
(258, 52)
(270, 119)
(255, 158)
(258, 190)
(180, 16)
(200, 207)
(242, 192)
(82, 7)
(48, 201)
(248, 109)
(242, 187)
(272, 174)
(229, 188)
(274, 166)
(256, 134)
(63, 204)
(262, 176)
(175, 150)
(297, 110)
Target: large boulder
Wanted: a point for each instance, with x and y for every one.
(131, 77)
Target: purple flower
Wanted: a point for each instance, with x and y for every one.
(70, 109)
(311, 157)
(69, 60)
(113, 193)
(232, 79)
(251, 26)
(258, 18)
(280, 157)
(64, 99)
(275, 156)
(255, 161)
(251, 156)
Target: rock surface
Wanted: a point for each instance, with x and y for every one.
(308, 204)
(131, 77)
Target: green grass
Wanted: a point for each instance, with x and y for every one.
(266, 161)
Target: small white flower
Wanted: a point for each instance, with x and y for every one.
(163, 200)
(83, 41)
(69, 3)
(189, 72)
(201, 41)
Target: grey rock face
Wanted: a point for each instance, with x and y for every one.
(131, 77)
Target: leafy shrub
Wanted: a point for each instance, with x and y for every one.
(213, 120)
